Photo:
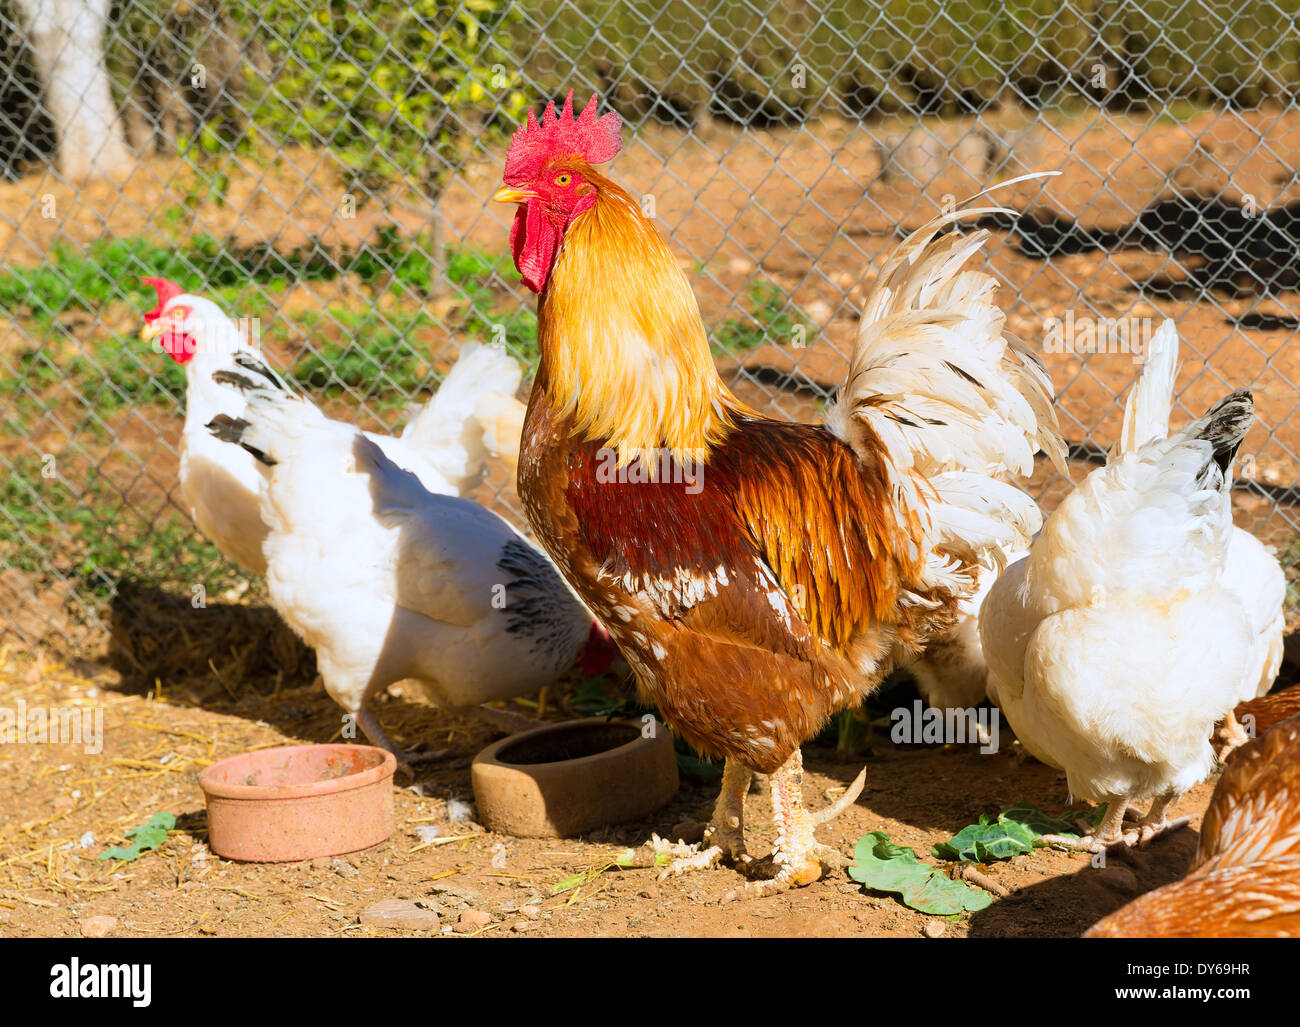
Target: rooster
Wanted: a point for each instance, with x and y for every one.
(389, 581)
(1118, 643)
(951, 673)
(757, 575)
(444, 443)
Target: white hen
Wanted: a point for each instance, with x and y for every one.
(443, 443)
(1253, 574)
(1117, 644)
(388, 581)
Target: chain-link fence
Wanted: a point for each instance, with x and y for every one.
(326, 168)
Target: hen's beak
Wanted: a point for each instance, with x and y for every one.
(507, 194)
(153, 329)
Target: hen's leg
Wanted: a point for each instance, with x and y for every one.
(1155, 823)
(405, 760)
(797, 854)
(1109, 832)
(725, 835)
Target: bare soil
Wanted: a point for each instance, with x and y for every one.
(63, 807)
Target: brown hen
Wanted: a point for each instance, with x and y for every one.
(1245, 879)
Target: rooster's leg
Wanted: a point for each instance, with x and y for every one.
(797, 854)
(1231, 734)
(725, 835)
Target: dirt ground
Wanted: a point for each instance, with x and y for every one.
(63, 807)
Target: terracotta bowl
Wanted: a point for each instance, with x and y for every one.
(567, 779)
(299, 802)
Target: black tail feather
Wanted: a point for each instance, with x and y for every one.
(1224, 426)
(231, 429)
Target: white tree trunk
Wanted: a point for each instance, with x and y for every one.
(67, 37)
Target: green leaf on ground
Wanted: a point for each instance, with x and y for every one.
(883, 866)
(1015, 832)
(988, 840)
(152, 835)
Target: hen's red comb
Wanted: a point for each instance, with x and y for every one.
(595, 140)
(167, 291)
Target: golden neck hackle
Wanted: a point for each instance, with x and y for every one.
(623, 349)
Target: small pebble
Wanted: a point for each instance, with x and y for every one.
(401, 915)
(1121, 878)
(472, 920)
(98, 926)
(456, 892)
(87, 840)
(344, 869)
(652, 892)
(530, 912)
(934, 929)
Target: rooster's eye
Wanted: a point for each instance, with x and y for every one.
(563, 179)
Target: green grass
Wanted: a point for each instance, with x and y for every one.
(472, 273)
(772, 318)
(109, 270)
(86, 529)
(378, 357)
(1289, 558)
(119, 372)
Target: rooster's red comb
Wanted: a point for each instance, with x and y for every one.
(595, 140)
(167, 291)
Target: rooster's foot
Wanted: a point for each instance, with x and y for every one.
(723, 838)
(1108, 834)
(1093, 842)
(1150, 832)
(685, 857)
(799, 858)
(723, 842)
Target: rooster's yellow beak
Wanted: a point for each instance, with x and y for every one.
(153, 329)
(506, 194)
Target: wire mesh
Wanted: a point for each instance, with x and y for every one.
(325, 169)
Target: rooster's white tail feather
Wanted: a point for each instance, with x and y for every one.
(953, 403)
